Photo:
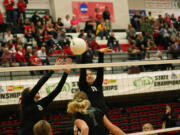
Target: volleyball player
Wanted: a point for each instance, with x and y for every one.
(93, 87)
(42, 127)
(90, 120)
(31, 107)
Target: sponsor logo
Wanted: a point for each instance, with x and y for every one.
(66, 88)
(143, 82)
(174, 76)
(109, 81)
(15, 88)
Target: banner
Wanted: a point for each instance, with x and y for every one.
(158, 4)
(83, 10)
(113, 85)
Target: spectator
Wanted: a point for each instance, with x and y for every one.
(89, 25)
(134, 52)
(75, 24)
(98, 16)
(2, 24)
(35, 60)
(36, 18)
(9, 6)
(89, 36)
(60, 23)
(22, 10)
(43, 55)
(168, 118)
(131, 32)
(107, 19)
(174, 50)
(8, 36)
(28, 55)
(172, 31)
(6, 58)
(42, 127)
(20, 56)
(150, 16)
(29, 30)
(93, 45)
(147, 127)
(102, 31)
(81, 34)
(113, 43)
(140, 40)
(67, 24)
(147, 27)
(136, 21)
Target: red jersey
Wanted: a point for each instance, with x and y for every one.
(1, 19)
(9, 4)
(20, 57)
(21, 7)
(36, 60)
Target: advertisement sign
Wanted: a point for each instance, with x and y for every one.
(83, 10)
(113, 85)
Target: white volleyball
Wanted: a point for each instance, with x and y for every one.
(78, 46)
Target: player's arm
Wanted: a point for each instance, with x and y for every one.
(81, 124)
(113, 128)
(100, 72)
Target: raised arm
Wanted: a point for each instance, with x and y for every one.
(100, 71)
(39, 84)
(48, 99)
(82, 78)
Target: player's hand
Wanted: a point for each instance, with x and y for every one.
(68, 62)
(59, 61)
(104, 50)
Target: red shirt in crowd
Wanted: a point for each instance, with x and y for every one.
(35, 61)
(20, 57)
(93, 45)
(21, 6)
(1, 18)
(9, 4)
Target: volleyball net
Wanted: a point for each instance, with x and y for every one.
(120, 78)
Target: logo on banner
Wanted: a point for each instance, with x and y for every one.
(83, 8)
(174, 76)
(143, 82)
(15, 88)
(50, 88)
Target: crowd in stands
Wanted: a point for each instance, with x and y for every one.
(48, 34)
(162, 31)
(155, 34)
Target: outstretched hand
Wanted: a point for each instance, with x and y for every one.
(58, 62)
(67, 62)
(104, 50)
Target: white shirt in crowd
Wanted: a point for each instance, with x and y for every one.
(42, 55)
(67, 23)
(7, 37)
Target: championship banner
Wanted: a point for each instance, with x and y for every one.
(113, 85)
(83, 10)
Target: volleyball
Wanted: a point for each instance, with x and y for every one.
(78, 46)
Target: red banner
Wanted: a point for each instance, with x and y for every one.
(82, 10)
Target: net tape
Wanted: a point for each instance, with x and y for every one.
(95, 65)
